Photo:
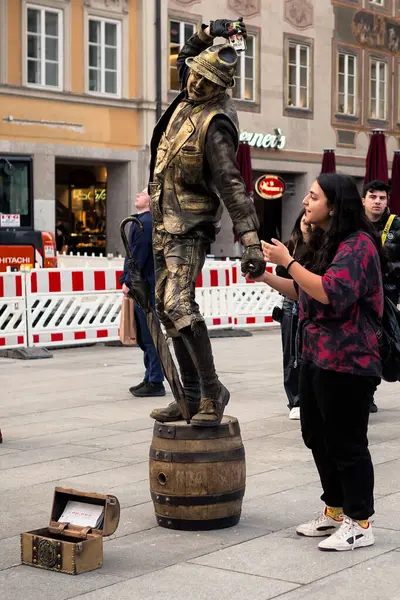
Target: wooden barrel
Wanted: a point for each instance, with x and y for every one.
(197, 475)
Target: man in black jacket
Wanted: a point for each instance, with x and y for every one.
(193, 167)
(375, 200)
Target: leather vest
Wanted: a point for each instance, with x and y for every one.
(183, 197)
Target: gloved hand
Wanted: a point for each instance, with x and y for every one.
(252, 261)
(220, 28)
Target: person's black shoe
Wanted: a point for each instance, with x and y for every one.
(138, 386)
(373, 408)
(149, 390)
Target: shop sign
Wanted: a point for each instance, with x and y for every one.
(99, 195)
(275, 140)
(10, 220)
(270, 187)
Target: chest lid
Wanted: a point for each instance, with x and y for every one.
(84, 512)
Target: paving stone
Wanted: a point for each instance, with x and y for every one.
(54, 470)
(375, 579)
(199, 583)
(281, 556)
(33, 457)
(24, 582)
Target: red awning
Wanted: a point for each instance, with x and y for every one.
(328, 161)
(377, 164)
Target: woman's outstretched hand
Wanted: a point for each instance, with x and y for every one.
(276, 253)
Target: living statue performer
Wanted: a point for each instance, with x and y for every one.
(193, 166)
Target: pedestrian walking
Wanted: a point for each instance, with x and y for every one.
(340, 293)
(140, 244)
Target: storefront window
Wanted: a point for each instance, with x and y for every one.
(88, 207)
(16, 189)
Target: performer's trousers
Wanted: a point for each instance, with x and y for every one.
(178, 263)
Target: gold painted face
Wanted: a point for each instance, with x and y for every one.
(201, 89)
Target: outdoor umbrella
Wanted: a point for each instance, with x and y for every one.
(328, 161)
(140, 292)
(377, 164)
(395, 195)
(244, 163)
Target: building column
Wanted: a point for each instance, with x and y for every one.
(44, 190)
(124, 180)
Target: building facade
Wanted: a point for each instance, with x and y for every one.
(82, 81)
(316, 74)
(73, 113)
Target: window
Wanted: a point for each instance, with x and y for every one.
(378, 2)
(179, 33)
(16, 189)
(104, 64)
(245, 72)
(44, 47)
(298, 77)
(378, 90)
(347, 81)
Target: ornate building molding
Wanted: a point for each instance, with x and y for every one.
(245, 8)
(120, 6)
(299, 13)
(187, 2)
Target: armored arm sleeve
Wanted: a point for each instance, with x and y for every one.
(221, 144)
(196, 44)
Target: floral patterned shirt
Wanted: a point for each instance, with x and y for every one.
(339, 336)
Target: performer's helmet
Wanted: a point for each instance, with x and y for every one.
(217, 64)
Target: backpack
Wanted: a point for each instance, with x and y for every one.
(388, 335)
(387, 329)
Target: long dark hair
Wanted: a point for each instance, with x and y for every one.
(348, 217)
(296, 244)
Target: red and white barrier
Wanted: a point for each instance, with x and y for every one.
(58, 307)
(68, 306)
(13, 325)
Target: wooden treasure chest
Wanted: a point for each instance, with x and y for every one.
(73, 541)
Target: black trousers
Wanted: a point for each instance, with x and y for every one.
(289, 326)
(334, 422)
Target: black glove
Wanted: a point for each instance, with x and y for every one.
(221, 28)
(252, 261)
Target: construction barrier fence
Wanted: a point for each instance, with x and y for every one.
(59, 307)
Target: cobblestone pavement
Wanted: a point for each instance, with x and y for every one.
(70, 421)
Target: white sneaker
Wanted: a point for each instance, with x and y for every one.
(350, 536)
(321, 526)
(295, 413)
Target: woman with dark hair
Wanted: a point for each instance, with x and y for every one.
(340, 296)
(289, 318)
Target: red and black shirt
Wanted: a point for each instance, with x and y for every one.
(339, 336)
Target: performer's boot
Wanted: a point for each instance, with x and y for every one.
(215, 396)
(190, 382)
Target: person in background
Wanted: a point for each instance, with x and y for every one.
(375, 200)
(140, 244)
(289, 318)
(340, 293)
(61, 237)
